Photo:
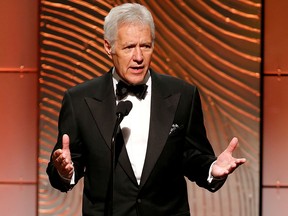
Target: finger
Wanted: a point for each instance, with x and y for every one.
(58, 165)
(65, 142)
(240, 161)
(69, 167)
(237, 163)
(232, 145)
(57, 153)
(67, 171)
(60, 159)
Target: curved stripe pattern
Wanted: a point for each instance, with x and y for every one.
(214, 44)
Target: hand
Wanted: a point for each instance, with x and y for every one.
(62, 159)
(226, 163)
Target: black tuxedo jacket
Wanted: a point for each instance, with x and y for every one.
(88, 117)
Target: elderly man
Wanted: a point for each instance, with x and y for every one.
(161, 141)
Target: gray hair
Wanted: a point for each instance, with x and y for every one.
(125, 14)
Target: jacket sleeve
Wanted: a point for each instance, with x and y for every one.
(67, 124)
(198, 153)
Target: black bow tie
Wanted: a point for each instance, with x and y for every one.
(123, 89)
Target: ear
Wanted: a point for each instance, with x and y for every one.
(107, 48)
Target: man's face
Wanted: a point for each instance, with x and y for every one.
(132, 52)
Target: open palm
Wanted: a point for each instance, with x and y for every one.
(226, 163)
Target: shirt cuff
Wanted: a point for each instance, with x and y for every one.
(71, 181)
(211, 177)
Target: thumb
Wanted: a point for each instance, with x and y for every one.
(232, 145)
(65, 142)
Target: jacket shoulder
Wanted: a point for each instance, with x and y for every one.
(92, 87)
(172, 83)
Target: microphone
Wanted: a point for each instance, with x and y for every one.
(123, 109)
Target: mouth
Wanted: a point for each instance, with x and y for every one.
(137, 69)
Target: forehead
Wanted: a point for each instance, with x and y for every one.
(134, 32)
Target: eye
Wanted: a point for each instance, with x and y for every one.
(146, 46)
(129, 47)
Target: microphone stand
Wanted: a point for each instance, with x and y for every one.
(123, 109)
(113, 163)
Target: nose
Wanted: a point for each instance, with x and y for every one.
(138, 55)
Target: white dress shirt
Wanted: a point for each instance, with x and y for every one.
(135, 127)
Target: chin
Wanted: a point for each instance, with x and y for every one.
(136, 79)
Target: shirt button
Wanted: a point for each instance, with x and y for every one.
(139, 200)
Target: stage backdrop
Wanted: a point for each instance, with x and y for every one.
(214, 44)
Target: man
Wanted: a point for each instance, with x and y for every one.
(164, 135)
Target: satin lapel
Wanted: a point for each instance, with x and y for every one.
(103, 116)
(103, 108)
(125, 163)
(163, 108)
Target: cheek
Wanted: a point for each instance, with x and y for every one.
(148, 57)
(119, 63)
(124, 61)
(122, 65)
